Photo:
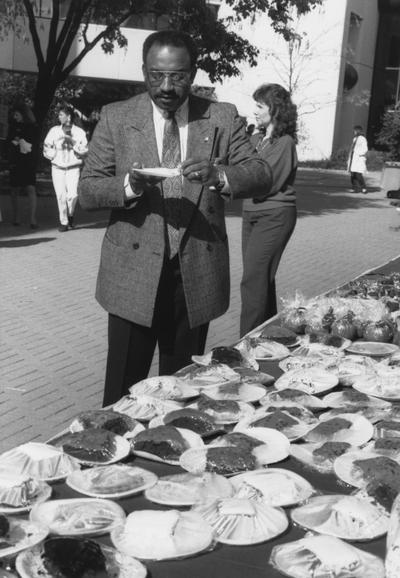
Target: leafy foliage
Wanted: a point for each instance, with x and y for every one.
(389, 134)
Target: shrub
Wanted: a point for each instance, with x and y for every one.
(389, 135)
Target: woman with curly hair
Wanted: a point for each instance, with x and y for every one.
(268, 222)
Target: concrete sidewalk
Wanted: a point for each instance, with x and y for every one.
(53, 339)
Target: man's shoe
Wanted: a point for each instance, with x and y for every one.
(34, 226)
(63, 228)
(71, 222)
(364, 191)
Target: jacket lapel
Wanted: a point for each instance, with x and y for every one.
(141, 120)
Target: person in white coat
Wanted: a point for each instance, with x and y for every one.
(357, 161)
(65, 146)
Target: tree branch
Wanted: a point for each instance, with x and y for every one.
(34, 33)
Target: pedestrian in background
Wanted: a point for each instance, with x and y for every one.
(269, 221)
(20, 152)
(357, 161)
(65, 146)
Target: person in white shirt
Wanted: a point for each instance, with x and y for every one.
(357, 161)
(65, 146)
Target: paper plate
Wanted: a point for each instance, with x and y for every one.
(264, 350)
(351, 397)
(348, 472)
(119, 423)
(385, 387)
(163, 535)
(145, 407)
(313, 381)
(193, 440)
(387, 446)
(359, 433)
(275, 486)
(29, 564)
(327, 556)
(160, 172)
(288, 396)
(112, 482)
(188, 489)
(163, 387)
(202, 377)
(371, 413)
(221, 416)
(42, 494)
(121, 447)
(275, 446)
(348, 517)
(78, 517)
(246, 358)
(241, 522)
(198, 421)
(249, 375)
(372, 348)
(22, 535)
(246, 392)
(296, 362)
(292, 431)
(223, 460)
(296, 410)
(38, 460)
(304, 452)
(353, 366)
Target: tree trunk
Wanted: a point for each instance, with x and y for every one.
(44, 94)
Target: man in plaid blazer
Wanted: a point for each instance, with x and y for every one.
(151, 296)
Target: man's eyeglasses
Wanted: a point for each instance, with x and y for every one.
(158, 76)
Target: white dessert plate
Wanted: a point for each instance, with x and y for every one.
(372, 348)
(304, 452)
(297, 362)
(144, 407)
(360, 431)
(276, 487)
(163, 387)
(208, 376)
(38, 460)
(188, 489)
(348, 472)
(22, 534)
(292, 432)
(245, 410)
(385, 387)
(162, 420)
(163, 535)
(348, 517)
(160, 172)
(120, 451)
(275, 445)
(264, 350)
(323, 556)
(192, 438)
(248, 360)
(289, 396)
(241, 522)
(42, 494)
(29, 564)
(313, 381)
(113, 482)
(79, 516)
(339, 399)
(246, 392)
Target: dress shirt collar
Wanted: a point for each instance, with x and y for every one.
(181, 114)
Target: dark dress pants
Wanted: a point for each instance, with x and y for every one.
(131, 346)
(265, 235)
(357, 182)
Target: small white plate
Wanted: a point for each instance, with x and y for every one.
(43, 493)
(204, 376)
(385, 387)
(188, 489)
(339, 399)
(160, 172)
(163, 420)
(373, 348)
(291, 432)
(246, 392)
(163, 387)
(145, 407)
(191, 437)
(23, 534)
(225, 417)
(308, 400)
(29, 564)
(346, 470)
(359, 433)
(278, 487)
(79, 516)
(139, 478)
(122, 449)
(348, 517)
(304, 452)
(312, 381)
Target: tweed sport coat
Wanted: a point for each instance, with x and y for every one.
(134, 244)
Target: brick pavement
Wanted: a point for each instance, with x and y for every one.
(53, 340)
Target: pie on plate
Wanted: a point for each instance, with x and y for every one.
(348, 517)
(165, 443)
(224, 411)
(320, 455)
(246, 392)
(18, 534)
(274, 486)
(322, 556)
(361, 467)
(290, 395)
(348, 427)
(267, 445)
(240, 522)
(113, 481)
(188, 489)
(114, 421)
(94, 446)
(78, 517)
(277, 419)
(57, 557)
(163, 535)
(188, 418)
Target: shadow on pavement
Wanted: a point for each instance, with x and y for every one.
(24, 242)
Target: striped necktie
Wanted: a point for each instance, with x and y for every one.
(172, 187)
